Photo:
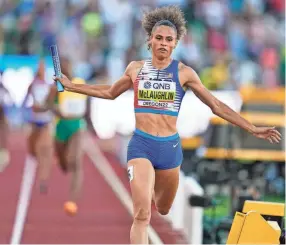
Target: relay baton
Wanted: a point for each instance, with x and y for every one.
(57, 66)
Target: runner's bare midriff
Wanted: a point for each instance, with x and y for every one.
(156, 124)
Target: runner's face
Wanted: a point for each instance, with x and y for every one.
(163, 41)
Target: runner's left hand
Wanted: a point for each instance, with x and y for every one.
(268, 133)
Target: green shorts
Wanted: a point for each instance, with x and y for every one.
(66, 128)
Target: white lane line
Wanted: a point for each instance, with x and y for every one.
(103, 166)
(28, 179)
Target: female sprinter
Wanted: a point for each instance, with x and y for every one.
(154, 152)
(4, 129)
(70, 109)
(40, 141)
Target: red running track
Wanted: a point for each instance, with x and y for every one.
(10, 181)
(101, 217)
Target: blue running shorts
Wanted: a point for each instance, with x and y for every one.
(162, 152)
(40, 124)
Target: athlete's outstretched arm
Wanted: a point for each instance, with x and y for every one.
(109, 92)
(220, 109)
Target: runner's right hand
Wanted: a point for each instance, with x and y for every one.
(64, 81)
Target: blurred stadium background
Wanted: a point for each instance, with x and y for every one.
(238, 49)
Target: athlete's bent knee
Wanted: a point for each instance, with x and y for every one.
(142, 216)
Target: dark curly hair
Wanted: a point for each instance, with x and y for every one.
(162, 16)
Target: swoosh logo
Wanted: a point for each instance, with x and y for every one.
(175, 145)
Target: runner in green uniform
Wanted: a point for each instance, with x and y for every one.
(70, 109)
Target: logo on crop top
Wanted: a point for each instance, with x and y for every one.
(157, 85)
(147, 85)
(170, 75)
